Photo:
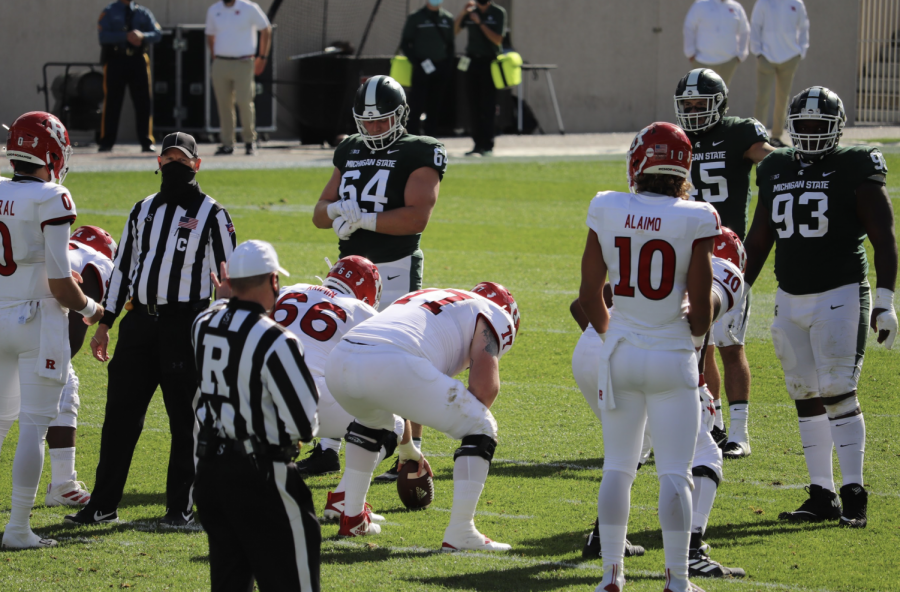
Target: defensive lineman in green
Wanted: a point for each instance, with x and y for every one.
(817, 202)
(725, 150)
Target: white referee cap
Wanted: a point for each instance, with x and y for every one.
(254, 257)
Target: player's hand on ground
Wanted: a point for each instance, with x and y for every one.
(343, 228)
(884, 322)
(99, 343)
(223, 288)
(96, 318)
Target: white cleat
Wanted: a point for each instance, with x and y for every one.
(356, 526)
(471, 541)
(613, 580)
(70, 493)
(29, 540)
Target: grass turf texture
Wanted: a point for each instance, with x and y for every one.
(521, 224)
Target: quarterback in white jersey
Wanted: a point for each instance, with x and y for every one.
(36, 288)
(656, 248)
(402, 363)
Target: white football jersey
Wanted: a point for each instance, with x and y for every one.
(728, 283)
(82, 257)
(320, 317)
(25, 208)
(437, 325)
(647, 242)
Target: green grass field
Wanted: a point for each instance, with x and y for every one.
(521, 224)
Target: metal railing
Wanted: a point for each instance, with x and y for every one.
(878, 90)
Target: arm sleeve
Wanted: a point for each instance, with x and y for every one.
(223, 240)
(151, 30)
(743, 36)
(56, 251)
(108, 37)
(120, 279)
(756, 26)
(803, 33)
(690, 32)
(293, 391)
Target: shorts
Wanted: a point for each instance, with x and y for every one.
(820, 340)
(732, 328)
(400, 277)
(69, 403)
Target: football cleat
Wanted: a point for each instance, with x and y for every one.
(176, 519)
(30, 540)
(701, 566)
(70, 493)
(592, 545)
(88, 516)
(613, 580)
(855, 500)
(319, 462)
(389, 476)
(334, 507)
(719, 435)
(355, 526)
(676, 584)
(821, 505)
(470, 541)
(736, 450)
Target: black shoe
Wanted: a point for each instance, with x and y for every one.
(821, 505)
(592, 545)
(855, 500)
(148, 148)
(389, 476)
(103, 148)
(719, 436)
(88, 516)
(224, 150)
(319, 462)
(476, 151)
(176, 519)
(249, 149)
(701, 566)
(736, 450)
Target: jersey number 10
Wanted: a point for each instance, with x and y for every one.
(645, 260)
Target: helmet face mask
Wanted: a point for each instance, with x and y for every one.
(701, 100)
(380, 99)
(816, 122)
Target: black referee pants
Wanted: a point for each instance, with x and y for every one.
(151, 352)
(259, 526)
(427, 96)
(482, 103)
(132, 72)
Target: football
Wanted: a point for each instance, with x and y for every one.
(416, 493)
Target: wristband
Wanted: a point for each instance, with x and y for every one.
(334, 209)
(884, 298)
(698, 341)
(90, 309)
(367, 222)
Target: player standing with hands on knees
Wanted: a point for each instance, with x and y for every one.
(36, 288)
(656, 247)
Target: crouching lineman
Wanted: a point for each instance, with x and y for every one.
(402, 362)
(818, 201)
(91, 252)
(257, 400)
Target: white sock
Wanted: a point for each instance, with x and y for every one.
(359, 466)
(719, 421)
(849, 436)
(62, 465)
(702, 499)
(675, 546)
(27, 467)
(675, 520)
(815, 435)
(469, 477)
(330, 444)
(737, 431)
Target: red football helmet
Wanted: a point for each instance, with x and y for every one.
(358, 276)
(659, 149)
(96, 238)
(728, 246)
(40, 138)
(501, 297)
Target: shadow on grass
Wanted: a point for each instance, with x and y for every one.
(351, 555)
(562, 543)
(532, 577)
(582, 469)
(143, 499)
(200, 559)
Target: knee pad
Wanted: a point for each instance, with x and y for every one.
(842, 407)
(477, 445)
(373, 438)
(704, 471)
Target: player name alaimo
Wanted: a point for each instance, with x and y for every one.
(705, 156)
(643, 223)
(355, 164)
(800, 185)
(6, 208)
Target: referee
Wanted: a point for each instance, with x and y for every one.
(258, 400)
(171, 242)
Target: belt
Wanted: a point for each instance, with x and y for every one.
(229, 447)
(128, 50)
(172, 309)
(246, 57)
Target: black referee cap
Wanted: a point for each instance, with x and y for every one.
(182, 141)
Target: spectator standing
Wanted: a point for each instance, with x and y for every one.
(486, 24)
(428, 43)
(779, 38)
(126, 30)
(231, 28)
(715, 36)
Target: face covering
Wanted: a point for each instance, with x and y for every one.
(177, 177)
(483, 2)
(435, 2)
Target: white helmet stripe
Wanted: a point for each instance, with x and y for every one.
(371, 87)
(812, 100)
(694, 76)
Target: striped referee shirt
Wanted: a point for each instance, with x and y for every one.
(253, 376)
(167, 250)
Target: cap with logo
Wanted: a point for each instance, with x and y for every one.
(184, 142)
(252, 258)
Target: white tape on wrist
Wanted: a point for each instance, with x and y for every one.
(90, 309)
(698, 341)
(368, 221)
(884, 298)
(409, 451)
(334, 209)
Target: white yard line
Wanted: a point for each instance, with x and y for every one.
(479, 513)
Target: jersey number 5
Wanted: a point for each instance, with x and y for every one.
(645, 261)
(8, 265)
(315, 313)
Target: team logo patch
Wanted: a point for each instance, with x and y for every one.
(649, 153)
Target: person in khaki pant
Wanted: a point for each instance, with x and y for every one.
(779, 37)
(231, 28)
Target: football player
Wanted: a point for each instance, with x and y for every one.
(818, 201)
(725, 150)
(656, 246)
(36, 288)
(403, 362)
(91, 254)
(381, 194)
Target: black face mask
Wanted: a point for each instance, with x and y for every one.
(483, 2)
(176, 177)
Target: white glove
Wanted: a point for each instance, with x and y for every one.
(342, 228)
(707, 408)
(348, 208)
(886, 321)
(408, 452)
(368, 221)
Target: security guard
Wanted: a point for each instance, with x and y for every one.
(428, 43)
(125, 31)
(258, 400)
(172, 241)
(486, 24)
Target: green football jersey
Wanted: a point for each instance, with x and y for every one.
(377, 180)
(720, 173)
(812, 209)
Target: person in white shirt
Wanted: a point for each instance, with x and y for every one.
(231, 28)
(715, 36)
(779, 38)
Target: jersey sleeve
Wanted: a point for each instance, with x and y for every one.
(708, 224)
(728, 283)
(872, 166)
(57, 207)
(340, 153)
(431, 154)
(751, 132)
(501, 324)
(595, 213)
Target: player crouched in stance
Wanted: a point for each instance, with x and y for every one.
(817, 202)
(656, 247)
(403, 362)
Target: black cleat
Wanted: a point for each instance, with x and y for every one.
(89, 516)
(104, 148)
(855, 500)
(249, 150)
(719, 436)
(701, 565)
(821, 505)
(176, 519)
(224, 150)
(389, 476)
(148, 148)
(319, 462)
(736, 450)
(592, 545)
